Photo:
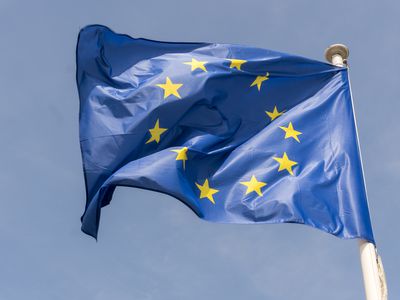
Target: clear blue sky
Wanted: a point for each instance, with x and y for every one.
(150, 246)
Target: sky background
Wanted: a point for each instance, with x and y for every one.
(150, 245)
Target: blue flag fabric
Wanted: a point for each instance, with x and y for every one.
(238, 134)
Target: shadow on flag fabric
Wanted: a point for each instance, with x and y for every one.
(238, 134)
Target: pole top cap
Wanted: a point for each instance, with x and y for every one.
(336, 49)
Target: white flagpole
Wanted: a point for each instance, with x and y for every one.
(373, 274)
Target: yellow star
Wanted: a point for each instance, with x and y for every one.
(274, 114)
(254, 185)
(236, 63)
(181, 155)
(197, 64)
(206, 191)
(170, 88)
(285, 163)
(156, 133)
(259, 80)
(291, 132)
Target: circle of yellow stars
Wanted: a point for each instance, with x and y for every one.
(253, 185)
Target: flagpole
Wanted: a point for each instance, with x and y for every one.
(373, 274)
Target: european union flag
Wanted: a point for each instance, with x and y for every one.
(238, 134)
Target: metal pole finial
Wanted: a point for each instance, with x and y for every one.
(336, 50)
